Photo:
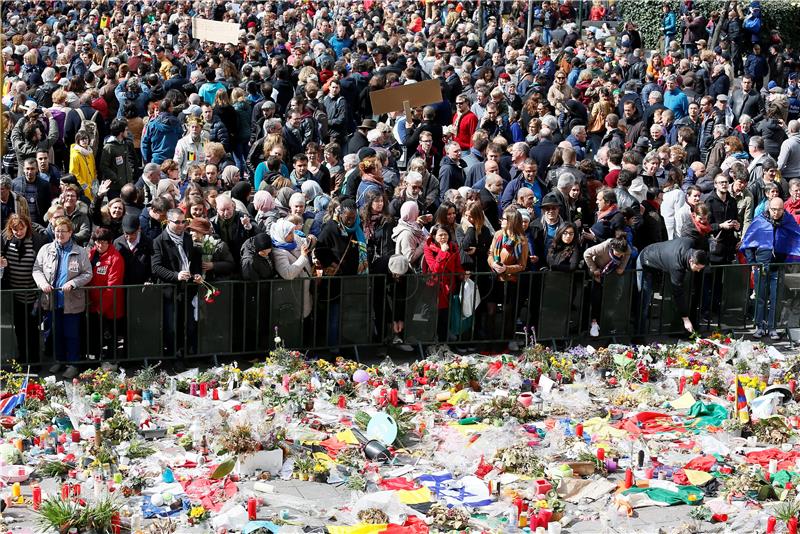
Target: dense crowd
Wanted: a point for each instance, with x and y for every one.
(134, 152)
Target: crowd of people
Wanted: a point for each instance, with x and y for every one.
(133, 152)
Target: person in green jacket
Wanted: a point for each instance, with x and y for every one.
(117, 157)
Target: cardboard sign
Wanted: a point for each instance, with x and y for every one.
(405, 97)
(212, 30)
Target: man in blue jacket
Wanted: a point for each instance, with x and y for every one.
(160, 136)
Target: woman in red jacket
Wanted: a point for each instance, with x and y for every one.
(106, 305)
(443, 259)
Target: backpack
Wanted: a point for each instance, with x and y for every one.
(89, 127)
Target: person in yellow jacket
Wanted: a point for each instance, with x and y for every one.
(81, 163)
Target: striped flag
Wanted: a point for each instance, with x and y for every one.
(741, 402)
(8, 404)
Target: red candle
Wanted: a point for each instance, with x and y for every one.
(76, 489)
(76, 436)
(771, 524)
(215, 394)
(251, 508)
(628, 478)
(681, 385)
(695, 378)
(64, 491)
(792, 384)
(393, 397)
(37, 496)
(601, 454)
(792, 525)
(203, 389)
(129, 395)
(342, 403)
(579, 430)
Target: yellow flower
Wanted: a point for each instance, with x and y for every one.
(197, 512)
(541, 504)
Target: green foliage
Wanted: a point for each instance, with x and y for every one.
(781, 15)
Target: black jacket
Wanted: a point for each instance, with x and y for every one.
(721, 212)
(166, 261)
(542, 153)
(671, 257)
(43, 197)
(237, 235)
(451, 176)
(490, 208)
(138, 269)
(255, 267)
(746, 104)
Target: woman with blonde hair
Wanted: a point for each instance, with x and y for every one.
(82, 164)
(508, 256)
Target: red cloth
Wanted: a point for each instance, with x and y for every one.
(786, 460)
(398, 483)
(212, 494)
(446, 264)
(701, 463)
(333, 446)
(792, 207)
(649, 423)
(413, 525)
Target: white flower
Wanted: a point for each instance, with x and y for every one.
(277, 340)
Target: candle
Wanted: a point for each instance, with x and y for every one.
(193, 388)
(16, 490)
(579, 430)
(65, 491)
(342, 403)
(791, 525)
(792, 385)
(76, 489)
(393, 400)
(203, 389)
(252, 504)
(19, 445)
(37, 496)
(129, 395)
(681, 385)
(76, 436)
(771, 524)
(695, 378)
(215, 394)
(773, 466)
(601, 454)
(628, 478)
(648, 473)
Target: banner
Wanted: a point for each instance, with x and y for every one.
(218, 32)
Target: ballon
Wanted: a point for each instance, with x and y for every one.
(360, 376)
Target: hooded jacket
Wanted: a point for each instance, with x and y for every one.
(116, 162)
(160, 137)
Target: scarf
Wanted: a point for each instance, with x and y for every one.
(278, 232)
(371, 178)
(512, 245)
(357, 234)
(613, 263)
(178, 240)
(372, 222)
(704, 229)
(610, 209)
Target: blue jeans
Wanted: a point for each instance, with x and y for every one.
(766, 286)
(546, 36)
(66, 331)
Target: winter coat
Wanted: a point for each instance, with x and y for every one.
(255, 267)
(451, 176)
(671, 257)
(117, 162)
(774, 135)
(218, 132)
(108, 270)
(290, 264)
(598, 256)
(408, 244)
(79, 273)
(244, 112)
(25, 149)
(84, 169)
(789, 157)
(42, 199)
(444, 263)
(137, 261)
(160, 137)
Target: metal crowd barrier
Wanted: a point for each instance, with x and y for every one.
(164, 322)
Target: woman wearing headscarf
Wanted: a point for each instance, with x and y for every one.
(291, 258)
(230, 176)
(263, 204)
(312, 190)
(409, 235)
(278, 208)
(240, 194)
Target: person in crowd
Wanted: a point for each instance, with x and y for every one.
(564, 252)
(771, 239)
(136, 250)
(62, 268)
(82, 164)
(409, 235)
(291, 256)
(19, 248)
(106, 305)
(606, 258)
(443, 260)
(508, 256)
(675, 259)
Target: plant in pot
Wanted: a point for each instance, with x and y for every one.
(303, 466)
(460, 374)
